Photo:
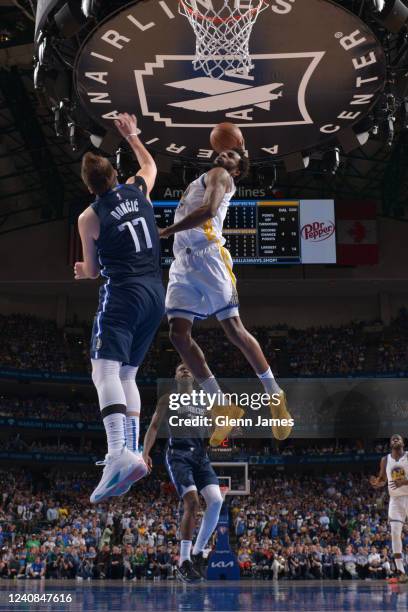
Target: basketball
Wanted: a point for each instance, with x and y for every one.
(226, 136)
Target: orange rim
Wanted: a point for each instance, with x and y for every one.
(219, 20)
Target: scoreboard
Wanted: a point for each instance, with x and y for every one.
(256, 232)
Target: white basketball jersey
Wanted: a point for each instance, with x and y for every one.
(211, 231)
(397, 470)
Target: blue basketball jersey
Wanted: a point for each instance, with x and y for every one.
(128, 244)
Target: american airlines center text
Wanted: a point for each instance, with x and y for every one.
(302, 91)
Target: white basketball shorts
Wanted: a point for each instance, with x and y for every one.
(202, 284)
(398, 508)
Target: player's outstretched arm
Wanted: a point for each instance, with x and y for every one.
(218, 182)
(151, 433)
(127, 126)
(89, 227)
(381, 480)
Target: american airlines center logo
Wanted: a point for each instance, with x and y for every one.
(317, 69)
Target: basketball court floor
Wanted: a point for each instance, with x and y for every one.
(254, 596)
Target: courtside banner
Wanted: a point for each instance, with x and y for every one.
(318, 232)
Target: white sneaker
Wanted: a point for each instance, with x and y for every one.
(119, 473)
(125, 486)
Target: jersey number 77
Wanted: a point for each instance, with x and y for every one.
(130, 225)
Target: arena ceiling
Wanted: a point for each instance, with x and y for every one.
(39, 171)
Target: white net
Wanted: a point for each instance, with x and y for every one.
(222, 33)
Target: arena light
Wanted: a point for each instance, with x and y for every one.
(86, 7)
(58, 120)
(393, 15)
(389, 130)
(331, 161)
(379, 5)
(72, 131)
(38, 76)
(43, 51)
(119, 161)
(90, 7)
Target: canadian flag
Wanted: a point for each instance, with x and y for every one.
(356, 228)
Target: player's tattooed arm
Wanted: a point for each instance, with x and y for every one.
(218, 182)
(89, 227)
(151, 433)
(127, 126)
(381, 480)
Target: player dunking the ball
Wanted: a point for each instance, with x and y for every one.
(120, 240)
(190, 470)
(202, 283)
(394, 471)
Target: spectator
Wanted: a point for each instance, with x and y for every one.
(36, 569)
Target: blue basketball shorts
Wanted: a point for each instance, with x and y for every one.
(189, 471)
(126, 321)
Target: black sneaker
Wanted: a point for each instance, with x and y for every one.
(187, 573)
(199, 564)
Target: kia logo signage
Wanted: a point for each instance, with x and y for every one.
(317, 69)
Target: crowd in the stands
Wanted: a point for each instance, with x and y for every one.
(26, 444)
(30, 343)
(42, 407)
(290, 527)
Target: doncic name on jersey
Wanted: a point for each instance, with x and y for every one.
(125, 207)
(317, 69)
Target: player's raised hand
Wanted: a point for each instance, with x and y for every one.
(126, 124)
(79, 271)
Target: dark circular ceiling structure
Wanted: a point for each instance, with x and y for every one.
(326, 76)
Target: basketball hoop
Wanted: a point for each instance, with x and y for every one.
(222, 36)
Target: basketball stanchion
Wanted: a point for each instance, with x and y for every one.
(222, 562)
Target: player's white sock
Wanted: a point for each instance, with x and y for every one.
(185, 550)
(213, 500)
(115, 427)
(132, 433)
(128, 379)
(211, 387)
(269, 383)
(112, 402)
(400, 565)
